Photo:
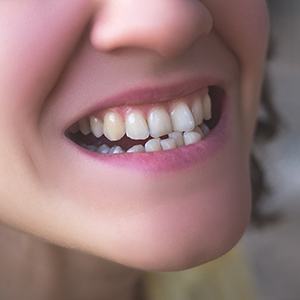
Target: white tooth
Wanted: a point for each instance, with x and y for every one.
(114, 126)
(74, 128)
(116, 150)
(96, 126)
(153, 145)
(197, 110)
(178, 137)
(191, 137)
(168, 144)
(136, 126)
(84, 126)
(205, 129)
(159, 122)
(182, 118)
(199, 130)
(207, 107)
(136, 148)
(104, 149)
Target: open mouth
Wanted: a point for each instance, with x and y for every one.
(151, 127)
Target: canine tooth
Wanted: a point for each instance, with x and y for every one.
(153, 145)
(96, 126)
(182, 117)
(114, 127)
(191, 137)
(104, 149)
(197, 110)
(74, 128)
(159, 122)
(207, 107)
(168, 144)
(136, 126)
(178, 137)
(205, 129)
(136, 148)
(116, 150)
(84, 126)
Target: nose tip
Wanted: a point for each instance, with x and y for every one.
(168, 27)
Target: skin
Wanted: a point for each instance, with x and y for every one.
(59, 57)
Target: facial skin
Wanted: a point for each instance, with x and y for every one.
(58, 58)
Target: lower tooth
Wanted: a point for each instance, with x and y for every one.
(191, 137)
(103, 149)
(168, 144)
(205, 129)
(116, 150)
(177, 136)
(153, 145)
(136, 148)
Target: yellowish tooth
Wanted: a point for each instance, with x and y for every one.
(136, 126)
(96, 126)
(153, 145)
(197, 110)
(168, 144)
(114, 126)
(159, 122)
(207, 107)
(182, 118)
(84, 126)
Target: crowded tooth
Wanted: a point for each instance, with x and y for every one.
(104, 149)
(207, 107)
(96, 126)
(182, 118)
(159, 122)
(84, 126)
(191, 137)
(153, 145)
(178, 137)
(168, 144)
(136, 126)
(197, 110)
(116, 150)
(136, 148)
(114, 127)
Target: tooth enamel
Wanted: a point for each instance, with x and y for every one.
(153, 145)
(168, 144)
(84, 126)
(136, 126)
(96, 126)
(178, 137)
(191, 137)
(200, 131)
(136, 148)
(197, 111)
(182, 118)
(114, 127)
(116, 150)
(207, 107)
(159, 122)
(104, 149)
(205, 129)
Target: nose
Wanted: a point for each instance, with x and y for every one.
(168, 27)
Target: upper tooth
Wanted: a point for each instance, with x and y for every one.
(136, 148)
(114, 127)
(207, 107)
(168, 144)
(153, 145)
(96, 126)
(159, 122)
(182, 117)
(177, 136)
(74, 128)
(136, 126)
(191, 137)
(197, 111)
(84, 126)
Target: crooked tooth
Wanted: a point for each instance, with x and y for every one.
(207, 107)
(84, 126)
(114, 127)
(153, 145)
(136, 149)
(96, 126)
(159, 122)
(191, 137)
(168, 144)
(182, 117)
(116, 150)
(197, 110)
(178, 137)
(104, 149)
(136, 126)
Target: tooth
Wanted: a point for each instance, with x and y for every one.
(96, 126)
(159, 122)
(205, 129)
(114, 127)
(178, 137)
(200, 131)
(182, 118)
(91, 147)
(136, 148)
(84, 126)
(153, 145)
(197, 110)
(74, 128)
(104, 149)
(116, 150)
(207, 107)
(168, 144)
(191, 137)
(136, 126)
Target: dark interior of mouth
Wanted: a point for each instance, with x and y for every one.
(217, 96)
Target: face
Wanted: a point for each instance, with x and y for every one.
(177, 80)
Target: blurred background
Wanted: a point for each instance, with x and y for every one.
(273, 251)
